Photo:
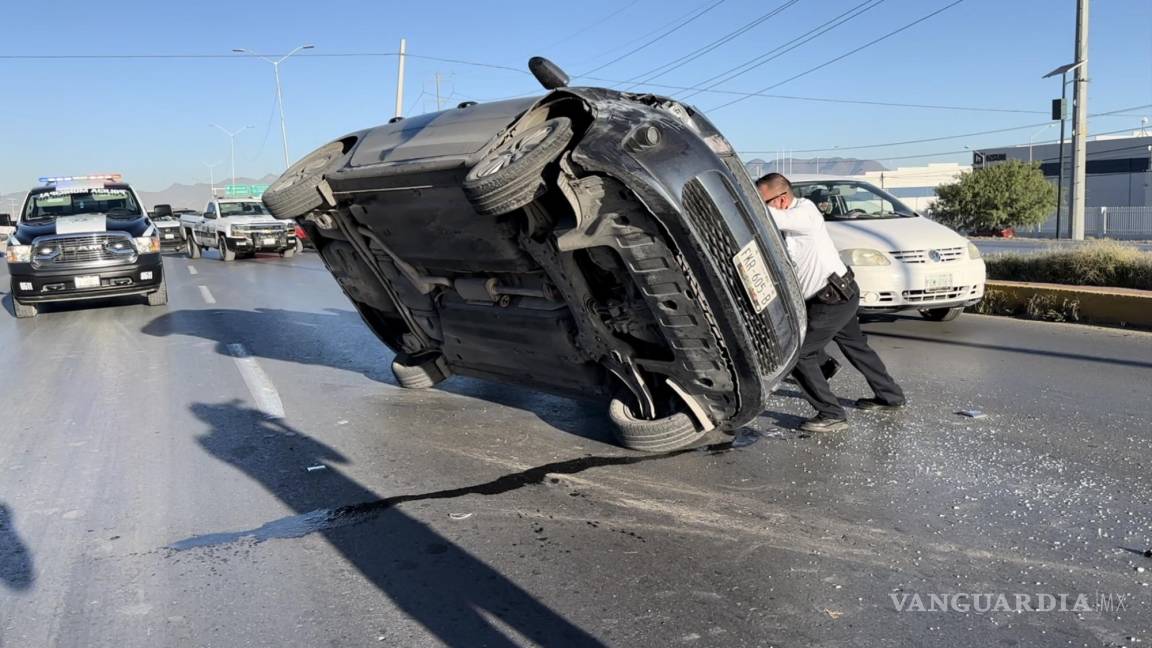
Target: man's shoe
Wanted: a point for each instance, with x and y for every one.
(877, 404)
(823, 423)
(830, 368)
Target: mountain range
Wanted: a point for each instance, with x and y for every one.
(193, 196)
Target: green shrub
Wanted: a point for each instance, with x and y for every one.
(1100, 263)
(1046, 308)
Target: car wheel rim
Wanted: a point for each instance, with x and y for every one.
(519, 148)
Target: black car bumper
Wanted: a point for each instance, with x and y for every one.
(38, 285)
(171, 238)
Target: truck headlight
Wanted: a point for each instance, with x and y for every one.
(863, 257)
(973, 251)
(147, 244)
(19, 254)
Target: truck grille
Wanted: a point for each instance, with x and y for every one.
(709, 223)
(941, 255)
(82, 249)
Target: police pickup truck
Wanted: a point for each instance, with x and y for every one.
(167, 227)
(83, 237)
(238, 228)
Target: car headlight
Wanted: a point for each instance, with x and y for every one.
(864, 257)
(973, 251)
(146, 244)
(19, 254)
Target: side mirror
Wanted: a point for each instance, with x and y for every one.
(547, 73)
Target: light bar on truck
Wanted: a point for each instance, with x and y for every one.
(74, 180)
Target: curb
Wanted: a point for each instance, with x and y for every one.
(1116, 306)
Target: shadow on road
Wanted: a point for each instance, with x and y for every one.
(340, 340)
(334, 338)
(1012, 349)
(434, 581)
(16, 570)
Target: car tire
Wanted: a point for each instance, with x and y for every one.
(159, 297)
(296, 192)
(511, 176)
(23, 311)
(941, 314)
(226, 253)
(657, 435)
(418, 373)
(191, 247)
(288, 253)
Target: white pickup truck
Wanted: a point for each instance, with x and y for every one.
(238, 228)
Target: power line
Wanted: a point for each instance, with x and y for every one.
(593, 25)
(661, 70)
(957, 136)
(658, 38)
(849, 52)
(780, 50)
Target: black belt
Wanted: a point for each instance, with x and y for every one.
(837, 290)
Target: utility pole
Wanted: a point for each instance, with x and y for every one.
(400, 80)
(212, 177)
(1080, 121)
(438, 91)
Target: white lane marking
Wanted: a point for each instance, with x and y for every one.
(259, 384)
(207, 295)
(193, 270)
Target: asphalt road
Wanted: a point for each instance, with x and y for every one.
(147, 498)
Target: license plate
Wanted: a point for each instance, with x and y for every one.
(268, 241)
(937, 282)
(87, 281)
(169, 236)
(753, 271)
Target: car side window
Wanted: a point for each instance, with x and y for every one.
(210, 211)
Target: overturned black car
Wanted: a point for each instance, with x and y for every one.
(588, 242)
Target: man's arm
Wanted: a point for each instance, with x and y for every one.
(802, 219)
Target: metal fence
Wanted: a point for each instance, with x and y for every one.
(1102, 222)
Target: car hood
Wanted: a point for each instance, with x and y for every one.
(891, 234)
(26, 231)
(252, 220)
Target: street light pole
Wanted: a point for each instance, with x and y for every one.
(1032, 137)
(212, 177)
(279, 92)
(1063, 71)
(231, 145)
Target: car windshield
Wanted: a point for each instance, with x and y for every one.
(852, 201)
(242, 209)
(48, 205)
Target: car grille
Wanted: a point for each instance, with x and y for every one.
(955, 292)
(708, 222)
(943, 255)
(86, 249)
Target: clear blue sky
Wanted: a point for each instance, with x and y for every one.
(149, 118)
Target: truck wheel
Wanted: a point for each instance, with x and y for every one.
(941, 314)
(23, 310)
(190, 245)
(296, 192)
(226, 253)
(658, 435)
(160, 297)
(511, 176)
(288, 253)
(418, 372)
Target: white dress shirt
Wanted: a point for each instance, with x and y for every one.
(812, 251)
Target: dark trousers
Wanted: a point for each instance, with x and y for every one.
(838, 323)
